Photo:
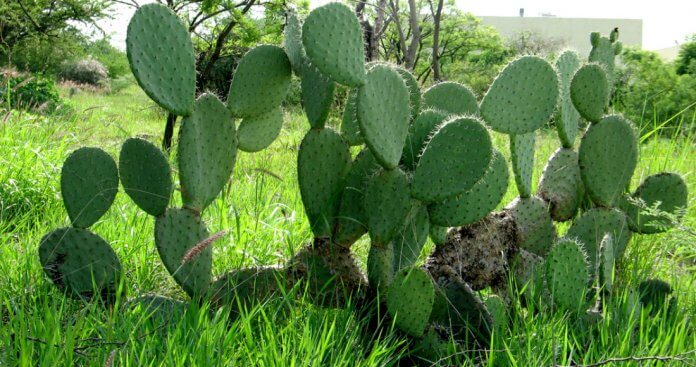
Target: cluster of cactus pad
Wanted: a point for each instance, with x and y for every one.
(426, 168)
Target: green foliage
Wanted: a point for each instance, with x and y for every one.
(650, 93)
(686, 61)
(27, 91)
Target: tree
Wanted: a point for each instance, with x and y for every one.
(27, 24)
(686, 61)
(533, 43)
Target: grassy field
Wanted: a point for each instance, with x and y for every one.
(262, 210)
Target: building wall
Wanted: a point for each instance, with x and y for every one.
(575, 32)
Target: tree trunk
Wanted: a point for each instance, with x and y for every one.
(437, 17)
(410, 59)
(378, 30)
(168, 132)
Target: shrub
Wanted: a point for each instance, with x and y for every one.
(85, 71)
(27, 91)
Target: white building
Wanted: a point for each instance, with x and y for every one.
(574, 32)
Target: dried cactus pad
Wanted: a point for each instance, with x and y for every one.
(413, 89)
(421, 129)
(522, 157)
(322, 164)
(80, 262)
(352, 219)
(608, 156)
(145, 175)
(258, 132)
(292, 42)
(669, 189)
(567, 274)
(456, 157)
(161, 58)
(589, 91)
(177, 232)
(591, 227)
(410, 300)
(522, 97)
(480, 200)
(350, 129)
(567, 124)
(535, 230)
(260, 82)
(333, 40)
(409, 242)
(387, 204)
(452, 98)
(383, 114)
(88, 183)
(317, 95)
(561, 185)
(207, 152)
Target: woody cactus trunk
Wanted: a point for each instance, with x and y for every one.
(426, 168)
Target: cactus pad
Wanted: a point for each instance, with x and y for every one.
(260, 82)
(457, 305)
(535, 230)
(463, 145)
(145, 175)
(352, 219)
(333, 40)
(380, 268)
(669, 189)
(589, 91)
(383, 114)
(561, 185)
(409, 242)
(438, 234)
(387, 204)
(603, 53)
(88, 183)
(605, 267)
(522, 157)
(422, 127)
(410, 300)
(258, 132)
(413, 89)
(607, 157)
(177, 232)
(480, 200)
(567, 274)
(496, 306)
(80, 262)
(161, 58)
(591, 227)
(246, 287)
(317, 95)
(522, 97)
(350, 129)
(207, 152)
(451, 98)
(292, 42)
(322, 164)
(567, 123)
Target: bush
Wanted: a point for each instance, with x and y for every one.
(651, 94)
(27, 91)
(85, 71)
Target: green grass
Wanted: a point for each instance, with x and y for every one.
(262, 209)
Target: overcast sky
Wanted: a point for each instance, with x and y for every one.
(665, 22)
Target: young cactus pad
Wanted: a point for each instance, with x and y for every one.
(333, 40)
(522, 97)
(207, 152)
(451, 98)
(462, 144)
(88, 183)
(383, 114)
(260, 82)
(145, 175)
(161, 57)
